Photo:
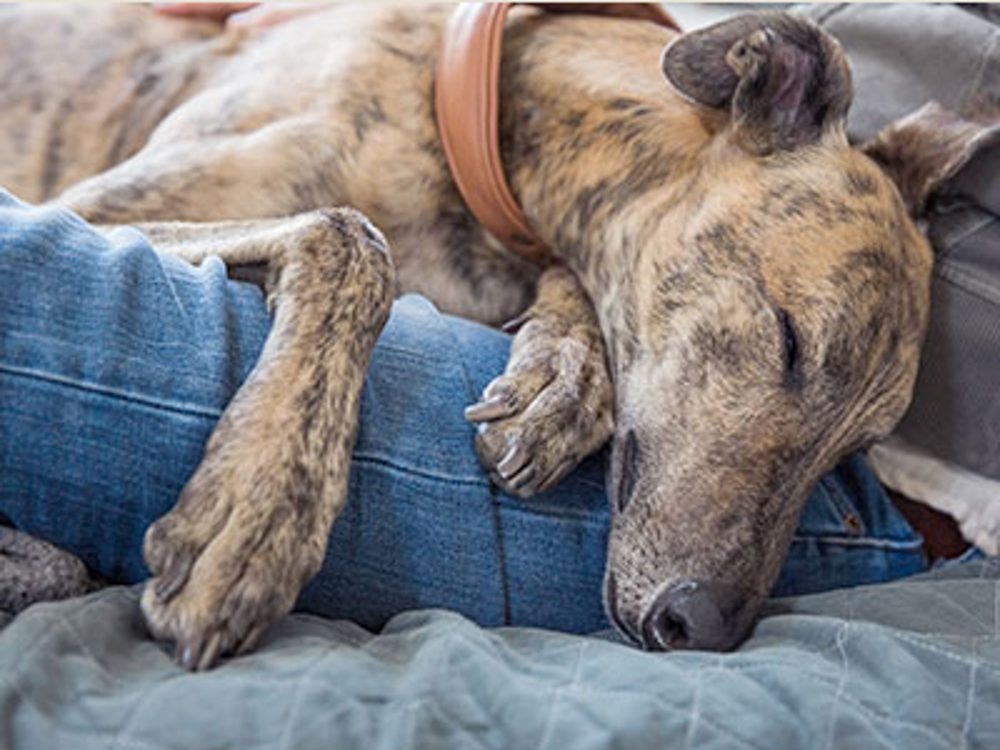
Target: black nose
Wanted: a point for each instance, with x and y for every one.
(698, 614)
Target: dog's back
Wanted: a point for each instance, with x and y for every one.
(83, 89)
(330, 109)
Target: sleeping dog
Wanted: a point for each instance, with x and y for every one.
(738, 301)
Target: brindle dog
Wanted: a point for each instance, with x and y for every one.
(739, 301)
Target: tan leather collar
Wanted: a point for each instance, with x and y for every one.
(467, 97)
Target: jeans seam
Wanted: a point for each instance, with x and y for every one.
(186, 409)
(842, 505)
(381, 461)
(902, 545)
(497, 519)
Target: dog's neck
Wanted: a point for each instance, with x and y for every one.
(596, 163)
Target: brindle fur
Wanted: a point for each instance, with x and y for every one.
(750, 283)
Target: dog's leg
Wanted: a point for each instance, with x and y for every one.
(250, 248)
(553, 406)
(236, 243)
(251, 526)
(202, 179)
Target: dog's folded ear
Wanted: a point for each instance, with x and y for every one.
(784, 79)
(928, 147)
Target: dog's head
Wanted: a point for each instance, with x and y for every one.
(775, 326)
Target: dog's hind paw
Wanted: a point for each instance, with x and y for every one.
(550, 410)
(32, 570)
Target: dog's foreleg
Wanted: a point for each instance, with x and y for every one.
(553, 406)
(238, 242)
(251, 526)
(252, 249)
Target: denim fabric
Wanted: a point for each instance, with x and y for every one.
(116, 362)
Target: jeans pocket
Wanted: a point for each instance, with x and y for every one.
(849, 534)
(830, 513)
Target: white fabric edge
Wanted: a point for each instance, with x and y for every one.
(971, 499)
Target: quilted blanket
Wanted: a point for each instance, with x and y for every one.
(913, 664)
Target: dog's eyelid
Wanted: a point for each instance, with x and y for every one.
(791, 348)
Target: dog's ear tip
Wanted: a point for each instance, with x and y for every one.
(667, 60)
(791, 85)
(694, 66)
(924, 149)
(675, 73)
(667, 65)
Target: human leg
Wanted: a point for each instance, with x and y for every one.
(82, 352)
(110, 382)
(116, 363)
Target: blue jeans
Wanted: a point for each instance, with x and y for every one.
(116, 363)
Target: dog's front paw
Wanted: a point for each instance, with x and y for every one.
(228, 561)
(551, 409)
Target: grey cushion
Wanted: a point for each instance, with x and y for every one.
(915, 664)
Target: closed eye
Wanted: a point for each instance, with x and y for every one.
(790, 343)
